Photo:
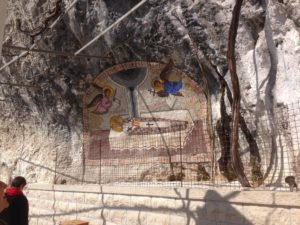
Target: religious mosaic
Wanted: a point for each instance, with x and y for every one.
(144, 108)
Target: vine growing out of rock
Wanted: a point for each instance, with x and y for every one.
(235, 156)
(224, 132)
(223, 128)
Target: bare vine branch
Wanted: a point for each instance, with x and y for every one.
(236, 160)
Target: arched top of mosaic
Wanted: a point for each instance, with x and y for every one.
(132, 93)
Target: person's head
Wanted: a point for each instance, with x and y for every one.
(158, 85)
(19, 182)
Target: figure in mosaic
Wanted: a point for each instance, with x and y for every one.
(102, 102)
(116, 123)
(169, 82)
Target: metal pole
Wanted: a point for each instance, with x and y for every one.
(213, 153)
(67, 9)
(54, 52)
(100, 162)
(16, 58)
(18, 85)
(181, 164)
(111, 26)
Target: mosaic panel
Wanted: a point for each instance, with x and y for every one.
(141, 109)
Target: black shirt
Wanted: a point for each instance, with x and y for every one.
(17, 212)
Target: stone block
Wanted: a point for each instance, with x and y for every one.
(153, 191)
(188, 207)
(287, 198)
(84, 214)
(39, 202)
(192, 220)
(72, 207)
(179, 220)
(224, 212)
(110, 223)
(142, 218)
(91, 198)
(81, 207)
(45, 212)
(59, 218)
(198, 209)
(121, 201)
(105, 213)
(46, 220)
(78, 197)
(95, 213)
(141, 201)
(131, 217)
(135, 217)
(59, 195)
(46, 195)
(163, 203)
(195, 194)
(117, 216)
(64, 217)
(33, 211)
(33, 221)
(295, 216)
(62, 206)
(107, 199)
(68, 196)
(33, 203)
(158, 218)
(48, 204)
(256, 215)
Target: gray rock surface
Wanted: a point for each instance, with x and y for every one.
(41, 107)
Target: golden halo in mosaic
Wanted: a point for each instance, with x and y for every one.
(109, 92)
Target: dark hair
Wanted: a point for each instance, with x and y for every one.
(18, 182)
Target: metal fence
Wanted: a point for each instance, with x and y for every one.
(268, 146)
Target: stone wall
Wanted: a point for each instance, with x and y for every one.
(157, 205)
(41, 94)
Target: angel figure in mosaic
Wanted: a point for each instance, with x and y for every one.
(102, 101)
(169, 82)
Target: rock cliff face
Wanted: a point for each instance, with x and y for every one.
(41, 93)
